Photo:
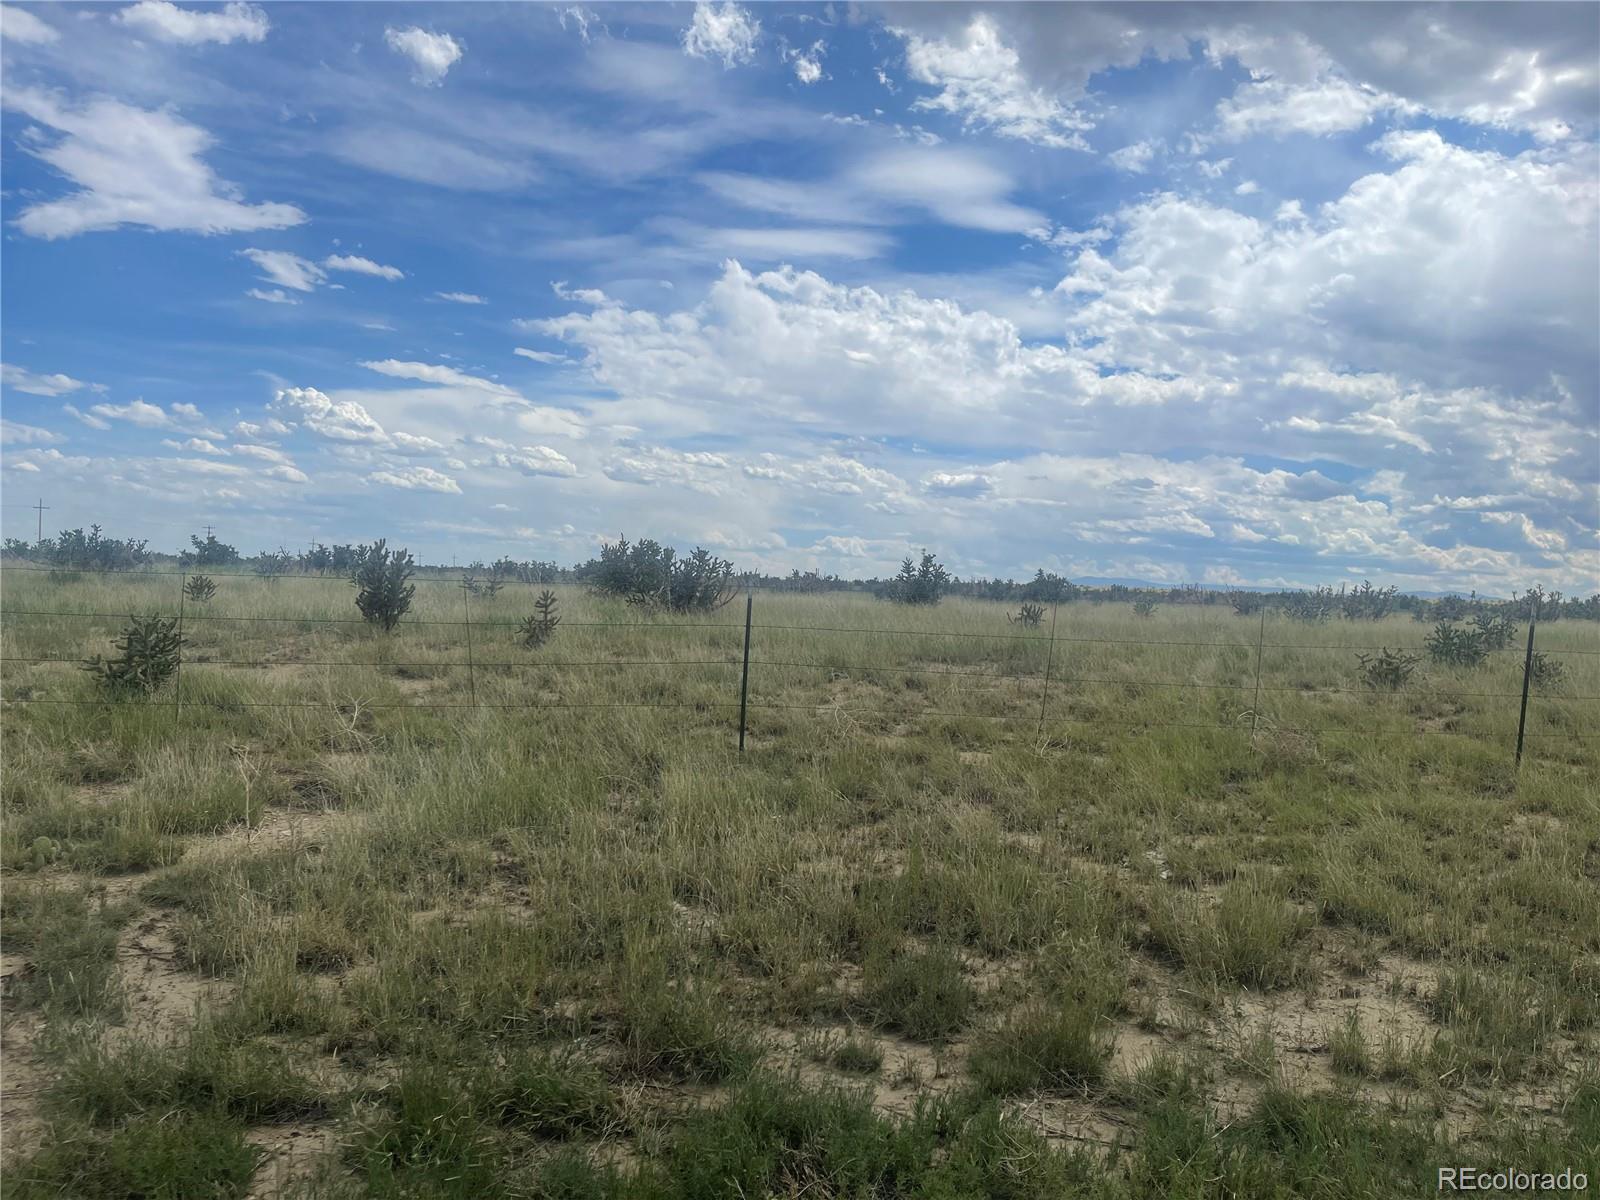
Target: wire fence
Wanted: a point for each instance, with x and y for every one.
(751, 671)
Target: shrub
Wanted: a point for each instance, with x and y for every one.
(1311, 607)
(488, 588)
(540, 626)
(1246, 603)
(1048, 586)
(272, 563)
(1367, 603)
(200, 588)
(1496, 632)
(1030, 615)
(380, 578)
(1452, 646)
(149, 653)
(1545, 672)
(648, 573)
(1389, 670)
(918, 583)
(1144, 608)
(209, 553)
(75, 550)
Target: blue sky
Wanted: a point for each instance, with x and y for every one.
(1286, 294)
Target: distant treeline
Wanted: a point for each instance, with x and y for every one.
(646, 567)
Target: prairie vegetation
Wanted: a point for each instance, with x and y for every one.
(329, 930)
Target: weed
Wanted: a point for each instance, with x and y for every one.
(160, 1156)
(924, 995)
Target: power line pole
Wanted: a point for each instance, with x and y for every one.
(41, 508)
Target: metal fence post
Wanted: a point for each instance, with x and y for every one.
(744, 678)
(1527, 675)
(1255, 705)
(472, 675)
(177, 703)
(1049, 663)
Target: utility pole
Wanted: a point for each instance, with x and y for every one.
(41, 508)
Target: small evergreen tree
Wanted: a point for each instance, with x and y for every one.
(380, 577)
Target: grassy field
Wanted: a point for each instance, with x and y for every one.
(331, 930)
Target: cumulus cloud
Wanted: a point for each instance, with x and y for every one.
(135, 412)
(981, 82)
(724, 31)
(431, 54)
(169, 23)
(133, 166)
(535, 460)
(417, 479)
(461, 297)
(342, 421)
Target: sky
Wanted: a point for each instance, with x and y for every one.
(1275, 295)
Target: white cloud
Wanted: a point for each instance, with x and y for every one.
(20, 25)
(1135, 159)
(436, 373)
(417, 479)
(89, 419)
(981, 81)
(196, 445)
(362, 266)
(269, 454)
(723, 31)
(432, 54)
(461, 297)
(22, 466)
(13, 433)
(135, 412)
(807, 63)
(169, 23)
(542, 356)
(288, 474)
(1248, 188)
(343, 421)
(285, 269)
(536, 460)
(969, 484)
(133, 166)
(21, 380)
(271, 295)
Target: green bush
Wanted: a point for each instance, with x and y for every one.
(383, 593)
(149, 653)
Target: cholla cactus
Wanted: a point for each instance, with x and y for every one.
(200, 588)
(1030, 615)
(537, 629)
(151, 649)
(1387, 671)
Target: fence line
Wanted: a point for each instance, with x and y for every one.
(675, 625)
(1257, 720)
